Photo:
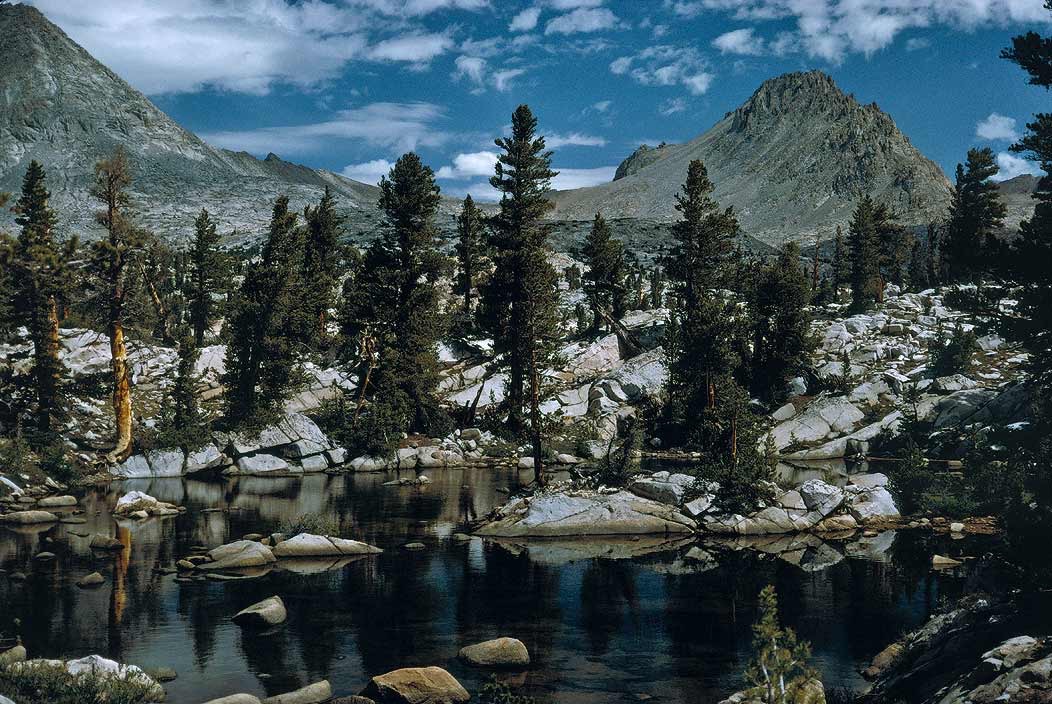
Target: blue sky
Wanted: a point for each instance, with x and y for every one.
(348, 85)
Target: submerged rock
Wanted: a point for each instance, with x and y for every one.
(568, 513)
(499, 652)
(269, 612)
(416, 685)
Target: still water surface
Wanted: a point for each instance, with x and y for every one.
(657, 625)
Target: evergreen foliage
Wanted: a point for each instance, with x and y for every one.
(779, 670)
(976, 213)
(604, 282)
(471, 253)
(879, 251)
(780, 324)
(261, 366)
(209, 272)
(321, 260)
(841, 262)
(954, 356)
(520, 300)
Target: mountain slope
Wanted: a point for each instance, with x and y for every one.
(60, 106)
(791, 160)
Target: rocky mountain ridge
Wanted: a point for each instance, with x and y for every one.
(792, 160)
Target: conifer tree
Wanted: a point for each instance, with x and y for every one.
(209, 270)
(321, 258)
(40, 278)
(604, 282)
(918, 276)
(779, 669)
(520, 299)
(864, 244)
(262, 342)
(112, 260)
(976, 213)
(471, 252)
(702, 351)
(780, 324)
(657, 287)
(841, 265)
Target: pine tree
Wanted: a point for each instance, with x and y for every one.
(471, 252)
(40, 277)
(657, 287)
(261, 357)
(209, 270)
(321, 258)
(864, 244)
(841, 265)
(779, 670)
(976, 214)
(701, 350)
(604, 282)
(112, 259)
(182, 423)
(780, 324)
(520, 300)
(918, 276)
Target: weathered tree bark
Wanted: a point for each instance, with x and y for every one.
(121, 393)
(624, 336)
(46, 365)
(535, 418)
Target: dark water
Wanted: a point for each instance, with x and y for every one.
(599, 629)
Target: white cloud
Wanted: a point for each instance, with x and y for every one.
(564, 5)
(739, 41)
(468, 166)
(666, 65)
(415, 8)
(602, 105)
(395, 126)
(583, 19)
(473, 68)
(1011, 166)
(525, 20)
(997, 127)
(581, 178)
(917, 43)
(369, 171)
(555, 140)
(415, 48)
(502, 79)
(672, 106)
(832, 29)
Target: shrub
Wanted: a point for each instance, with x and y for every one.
(47, 684)
(620, 462)
(494, 692)
(55, 464)
(779, 671)
(954, 356)
(313, 523)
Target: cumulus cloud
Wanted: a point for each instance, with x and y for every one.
(525, 20)
(502, 79)
(996, 128)
(672, 106)
(832, 29)
(369, 171)
(469, 166)
(414, 48)
(246, 46)
(555, 140)
(739, 41)
(666, 65)
(1010, 166)
(583, 19)
(395, 126)
(581, 178)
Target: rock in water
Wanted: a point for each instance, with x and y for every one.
(416, 685)
(269, 612)
(308, 545)
(27, 518)
(311, 694)
(235, 699)
(581, 513)
(92, 580)
(499, 652)
(241, 554)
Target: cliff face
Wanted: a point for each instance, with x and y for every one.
(60, 106)
(791, 160)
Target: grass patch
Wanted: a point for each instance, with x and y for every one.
(49, 684)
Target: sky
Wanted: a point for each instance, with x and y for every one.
(349, 85)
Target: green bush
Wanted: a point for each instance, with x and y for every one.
(954, 356)
(55, 463)
(313, 523)
(494, 692)
(45, 684)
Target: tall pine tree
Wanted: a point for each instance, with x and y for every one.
(262, 332)
(976, 214)
(520, 299)
(321, 259)
(209, 270)
(604, 282)
(471, 252)
(40, 274)
(864, 245)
